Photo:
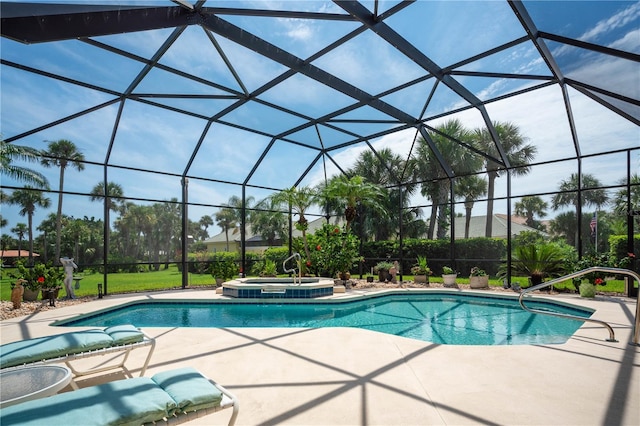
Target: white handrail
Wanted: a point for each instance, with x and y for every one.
(618, 271)
(293, 270)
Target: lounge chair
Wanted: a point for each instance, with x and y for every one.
(170, 397)
(67, 347)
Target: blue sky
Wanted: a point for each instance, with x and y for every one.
(154, 139)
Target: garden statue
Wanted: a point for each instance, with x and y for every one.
(69, 266)
(16, 293)
(394, 271)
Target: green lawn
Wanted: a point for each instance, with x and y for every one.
(172, 278)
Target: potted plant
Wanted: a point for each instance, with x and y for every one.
(478, 278)
(421, 271)
(382, 269)
(40, 277)
(537, 261)
(449, 276)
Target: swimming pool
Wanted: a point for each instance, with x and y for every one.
(438, 317)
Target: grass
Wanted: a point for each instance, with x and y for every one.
(171, 278)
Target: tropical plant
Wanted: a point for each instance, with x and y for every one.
(352, 192)
(226, 219)
(20, 230)
(517, 151)
(530, 207)
(568, 195)
(477, 272)
(223, 265)
(447, 270)
(299, 200)
(383, 266)
(470, 188)
(10, 152)
(269, 268)
(335, 251)
(421, 266)
(537, 261)
(61, 153)
(29, 199)
(40, 276)
(269, 222)
(436, 168)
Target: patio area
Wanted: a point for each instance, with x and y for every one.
(344, 376)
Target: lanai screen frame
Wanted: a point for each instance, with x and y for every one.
(32, 23)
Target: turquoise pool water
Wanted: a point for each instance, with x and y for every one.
(439, 318)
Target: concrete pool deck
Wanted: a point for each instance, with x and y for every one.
(344, 376)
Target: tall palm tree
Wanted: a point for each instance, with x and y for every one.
(518, 152)
(568, 195)
(435, 182)
(269, 221)
(470, 188)
(62, 153)
(205, 222)
(10, 152)
(620, 198)
(20, 230)
(383, 168)
(530, 207)
(226, 219)
(354, 191)
(29, 199)
(299, 200)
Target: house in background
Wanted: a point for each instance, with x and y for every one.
(254, 242)
(499, 229)
(10, 257)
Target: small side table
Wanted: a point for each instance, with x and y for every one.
(32, 382)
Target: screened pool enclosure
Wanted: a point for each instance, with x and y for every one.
(179, 111)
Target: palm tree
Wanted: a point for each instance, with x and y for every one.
(519, 153)
(226, 219)
(205, 222)
(470, 188)
(352, 192)
(62, 153)
(435, 182)
(568, 195)
(383, 168)
(298, 200)
(29, 199)
(269, 221)
(20, 229)
(620, 199)
(10, 152)
(530, 207)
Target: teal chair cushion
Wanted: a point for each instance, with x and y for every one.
(123, 402)
(124, 334)
(190, 389)
(41, 348)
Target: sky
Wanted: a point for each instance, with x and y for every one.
(150, 139)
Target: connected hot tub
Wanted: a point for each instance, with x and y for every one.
(278, 288)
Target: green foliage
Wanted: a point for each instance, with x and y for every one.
(447, 270)
(269, 269)
(223, 265)
(536, 260)
(588, 290)
(477, 272)
(618, 246)
(382, 266)
(333, 250)
(40, 276)
(421, 266)
(277, 255)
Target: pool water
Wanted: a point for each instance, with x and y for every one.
(437, 318)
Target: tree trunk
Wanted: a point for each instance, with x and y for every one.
(56, 259)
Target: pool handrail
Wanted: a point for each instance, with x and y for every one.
(293, 270)
(617, 271)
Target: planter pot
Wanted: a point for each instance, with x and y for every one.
(369, 279)
(30, 295)
(587, 290)
(219, 281)
(421, 279)
(383, 275)
(50, 294)
(479, 282)
(449, 280)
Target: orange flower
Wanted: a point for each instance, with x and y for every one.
(318, 247)
(599, 281)
(40, 280)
